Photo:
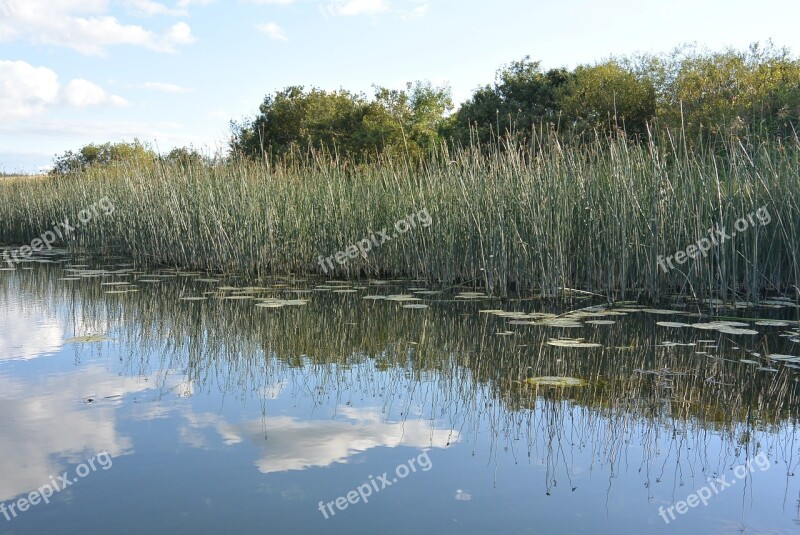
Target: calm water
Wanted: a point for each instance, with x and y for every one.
(176, 416)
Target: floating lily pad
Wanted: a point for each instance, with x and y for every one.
(472, 295)
(415, 305)
(569, 342)
(278, 303)
(556, 381)
(295, 302)
(561, 323)
(402, 297)
(786, 358)
(86, 339)
(734, 330)
(269, 305)
(673, 324)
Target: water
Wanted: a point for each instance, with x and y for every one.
(218, 416)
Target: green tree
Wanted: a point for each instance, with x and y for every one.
(400, 121)
(522, 97)
(410, 120)
(92, 155)
(727, 92)
(185, 157)
(608, 97)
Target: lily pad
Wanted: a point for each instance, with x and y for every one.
(786, 358)
(86, 339)
(555, 381)
(570, 342)
(402, 297)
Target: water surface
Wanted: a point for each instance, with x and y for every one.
(219, 407)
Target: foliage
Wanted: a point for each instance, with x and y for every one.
(703, 96)
(608, 97)
(185, 157)
(522, 97)
(343, 122)
(727, 92)
(93, 155)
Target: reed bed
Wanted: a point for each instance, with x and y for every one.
(546, 219)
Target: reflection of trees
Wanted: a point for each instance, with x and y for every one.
(449, 361)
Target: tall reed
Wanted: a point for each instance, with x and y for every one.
(547, 218)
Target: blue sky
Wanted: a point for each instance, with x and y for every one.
(175, 72)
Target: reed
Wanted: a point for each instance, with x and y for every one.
(546, 219)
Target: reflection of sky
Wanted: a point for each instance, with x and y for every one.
(197, 454)
(28, 333)
(47, 428)
(288, 443)
(50, 416)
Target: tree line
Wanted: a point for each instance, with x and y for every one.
(699, 93)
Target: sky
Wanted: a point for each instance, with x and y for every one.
(176, 72)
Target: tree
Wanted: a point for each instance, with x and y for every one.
(522, 97)
(93, 155)
(409, 121)
(399, 121)
(185, 157)
(608, 97)
(727, 92)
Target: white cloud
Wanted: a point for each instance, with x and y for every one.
(179, 34)
(64, 23)
(273, 31)
(83, 93)
(115, 130)
(356, 7)
(416, 13)
(166, 88)
(26, 91)
(186, 3)
(282, 2)
(148, 8)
